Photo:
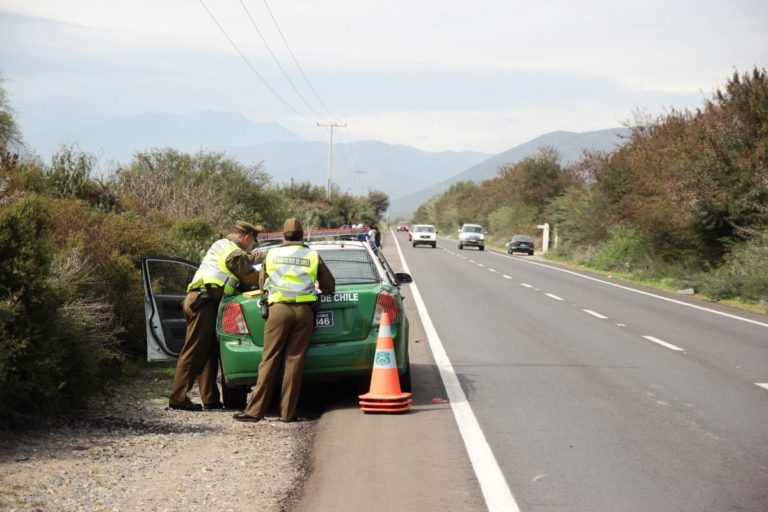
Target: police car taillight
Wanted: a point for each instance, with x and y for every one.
(385, 302)
(233, 319)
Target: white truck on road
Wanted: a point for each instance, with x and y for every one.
(472, 235)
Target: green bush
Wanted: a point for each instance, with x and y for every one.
(509, 220)
(743, 274)
(625, 251)
(191, 238)
(55, 342)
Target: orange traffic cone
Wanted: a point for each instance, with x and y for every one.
(385, 394)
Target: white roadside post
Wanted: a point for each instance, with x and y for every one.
(544, 237)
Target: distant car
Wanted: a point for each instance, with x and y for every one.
(472, 235)
(402, 226)
(520, 243)
(424, 234)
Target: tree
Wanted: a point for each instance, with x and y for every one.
(9, 131)
(206, 185)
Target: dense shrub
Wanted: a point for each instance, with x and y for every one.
(55, 340)
(743, 275)
(625, 251)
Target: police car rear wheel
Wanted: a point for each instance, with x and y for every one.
(234, 397)
(405, 379)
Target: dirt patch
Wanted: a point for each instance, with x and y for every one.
(132, 453)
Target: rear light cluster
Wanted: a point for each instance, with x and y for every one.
(385, 302)
(234, 320)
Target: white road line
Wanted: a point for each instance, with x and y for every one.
(471, 261)
(553, 296)
(480, 265)
(641, 292)
(505, 276)
(595, 314)
(526, 285)
(493, 270)
(763, 385)
(498, 496)
(663, 343)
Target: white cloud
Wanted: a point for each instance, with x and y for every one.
(417, 73)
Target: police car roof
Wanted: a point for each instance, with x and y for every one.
(326, 245)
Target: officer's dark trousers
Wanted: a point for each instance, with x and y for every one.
(286, 339)
(199, 359)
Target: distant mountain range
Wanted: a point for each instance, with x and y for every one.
(569, 145)
(394, 169)
(408, 175)
(119, 138)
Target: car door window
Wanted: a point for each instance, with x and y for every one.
(165, 286)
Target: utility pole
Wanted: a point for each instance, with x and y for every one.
(357, 181)
(330, 155)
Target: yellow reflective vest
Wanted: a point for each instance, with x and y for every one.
(291, 273)
(213, 269)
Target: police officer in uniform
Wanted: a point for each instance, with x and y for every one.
(289, 274)
(227, 261)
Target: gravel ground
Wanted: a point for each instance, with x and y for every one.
(142, 456)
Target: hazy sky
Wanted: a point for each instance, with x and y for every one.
(484, 75)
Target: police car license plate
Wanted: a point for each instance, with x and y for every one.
(324, 319)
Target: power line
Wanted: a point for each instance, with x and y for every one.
(274, 57)
(248, 63)
(349, 150)
(297, 62)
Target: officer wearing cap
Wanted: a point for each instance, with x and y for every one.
(289, 274)
(227, 262)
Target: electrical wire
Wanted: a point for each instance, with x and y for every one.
(248, 63)
(277, 61)
(295, 61)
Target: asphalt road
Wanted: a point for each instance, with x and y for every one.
(593, 397)
(400, 463)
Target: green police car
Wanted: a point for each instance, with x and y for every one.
(346, 326)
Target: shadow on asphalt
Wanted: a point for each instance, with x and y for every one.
(319, 397)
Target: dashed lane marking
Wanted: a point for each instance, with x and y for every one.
(595, 314)
(526, 285)
(663, 343)
(553, 296)
(505, 276)
(633, 290)
(763, 385)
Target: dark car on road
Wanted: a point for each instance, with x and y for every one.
(520, 243)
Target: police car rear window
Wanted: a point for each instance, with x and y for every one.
(350, 266)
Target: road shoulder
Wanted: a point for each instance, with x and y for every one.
(413, 461)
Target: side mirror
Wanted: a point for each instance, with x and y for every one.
(403, 278)
(436, 231)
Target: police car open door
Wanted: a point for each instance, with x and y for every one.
(165, 286)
